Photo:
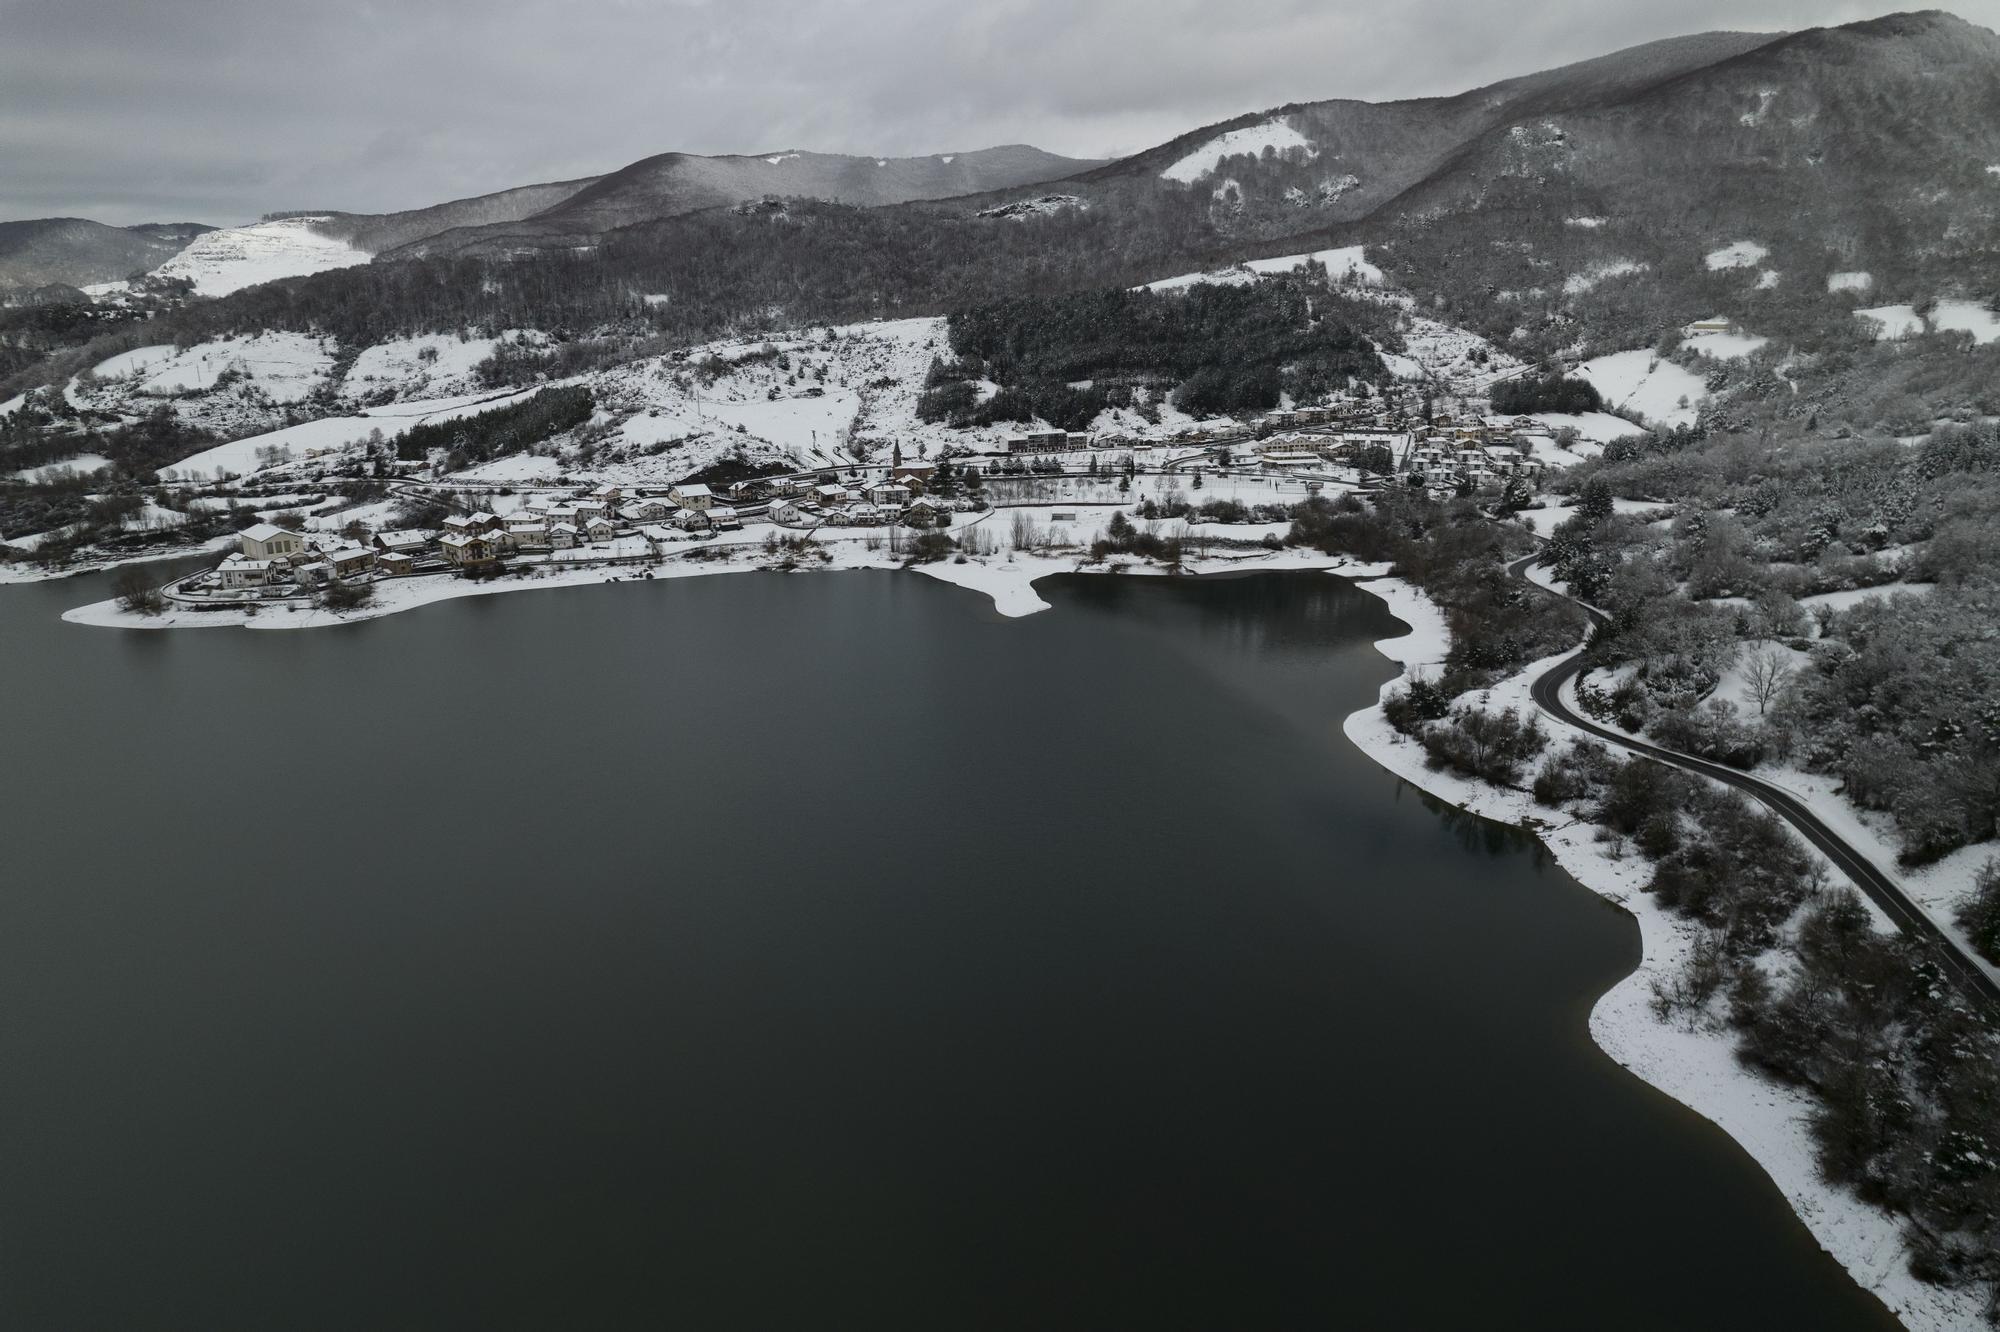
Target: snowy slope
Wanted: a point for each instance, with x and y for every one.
(1638, 381)
(224, 261)
(1349, 263)
(1277, 134)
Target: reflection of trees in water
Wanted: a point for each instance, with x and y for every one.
(1477, 833)
(1250, 610)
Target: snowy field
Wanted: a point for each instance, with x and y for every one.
(1970, 317)
(1641, 382)
(1854, 281)
(1724, 346)
(220, 262)
(81, 463)
(1738, 254)
(1893, 321)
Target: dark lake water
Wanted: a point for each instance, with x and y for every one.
(814, 952)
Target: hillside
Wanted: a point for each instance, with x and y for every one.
(376, 232)
(77, 251)
(674, 184)
(1823, 170)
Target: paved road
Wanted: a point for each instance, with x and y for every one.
(1880, 888)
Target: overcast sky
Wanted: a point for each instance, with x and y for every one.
(220, 110)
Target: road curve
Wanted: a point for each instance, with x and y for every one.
(1546, 690)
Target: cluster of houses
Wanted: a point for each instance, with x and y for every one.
(900, 497)
(269, 554)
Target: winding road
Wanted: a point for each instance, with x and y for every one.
(1881, 889)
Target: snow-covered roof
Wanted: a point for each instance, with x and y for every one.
(265, 531)
(697, 490)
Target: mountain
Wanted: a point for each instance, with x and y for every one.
(77, 251)
(1782, 180)
(1339, 160)
(376, 232)
(673, 184)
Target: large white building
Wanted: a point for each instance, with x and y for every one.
(267, 541)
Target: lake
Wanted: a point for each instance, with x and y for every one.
(811, 952)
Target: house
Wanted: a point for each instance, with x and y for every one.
(601, 528)
(792, 513)
(394, 565)
(692, 495)
(916, 471)
(267, 541)
(564, 536)
(588, 509)
(607, 494)
(459, 524)
(724, 517)
(241, 571)
(482, 521)
(691, 520)
(888, 493)
(924, 513)
(467, 549)
(830, 494)
(349, 560)
(313, 573)
(527, 532)
(646, 511)
(409, 541)
(1077, 439)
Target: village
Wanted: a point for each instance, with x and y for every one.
(1348, 443)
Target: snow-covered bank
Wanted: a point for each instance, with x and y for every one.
(1696, 1066)
(1007, 579)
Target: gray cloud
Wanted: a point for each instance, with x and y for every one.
(219, 110)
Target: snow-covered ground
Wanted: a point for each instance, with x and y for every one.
(219, 262)
(293, 443)
(1724, 346)
(1893, 321)
(1348, 263)
(81, 463)
(1969, 316)
(1851, 597)
(1737, 254)
(1641, 382)
(1576, 284)
(1853, 281)
(1695, 1065)
(1276, 133)
(418, 366)
(134, 362)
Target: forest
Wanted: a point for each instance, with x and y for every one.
(468, 440)
(1210, 348)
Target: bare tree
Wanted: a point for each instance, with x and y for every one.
(136, 592)
(1768, 675)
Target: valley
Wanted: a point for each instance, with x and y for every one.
(1657, 395)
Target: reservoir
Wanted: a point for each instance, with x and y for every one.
(761, 952)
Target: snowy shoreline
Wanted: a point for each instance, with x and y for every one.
(1696, 1067)
(1007, 581)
